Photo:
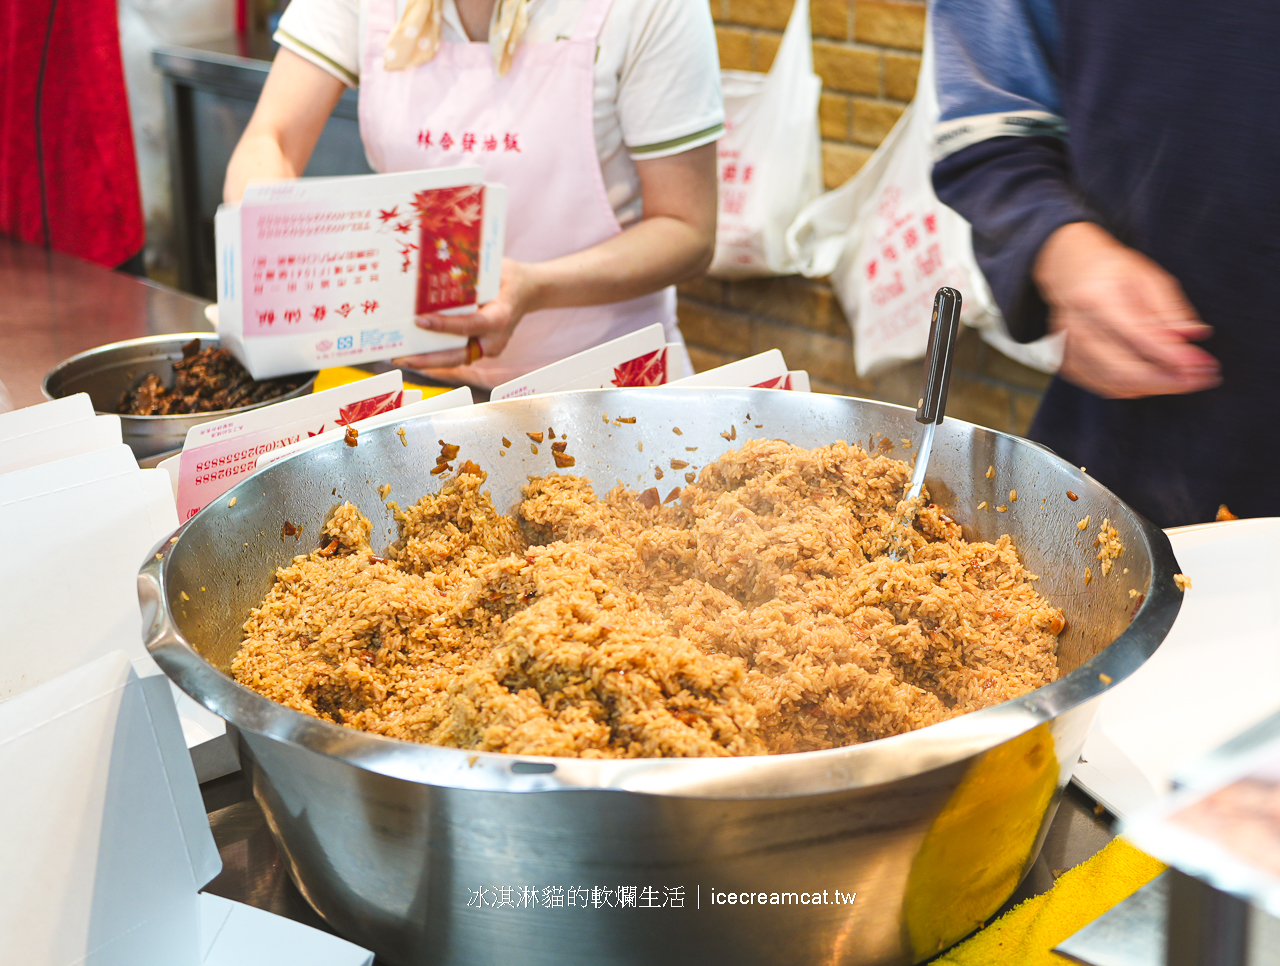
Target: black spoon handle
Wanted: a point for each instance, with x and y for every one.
(941, 352)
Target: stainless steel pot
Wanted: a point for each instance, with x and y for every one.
(105, 373)
(427, 854)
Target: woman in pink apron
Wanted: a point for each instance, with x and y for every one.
(524, 104)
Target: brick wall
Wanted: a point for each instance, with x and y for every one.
(867, 53)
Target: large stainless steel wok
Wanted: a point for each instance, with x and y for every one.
(431, 855)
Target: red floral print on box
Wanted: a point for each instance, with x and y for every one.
(449, 220)
(649, 369)
(777, 382)
(369, 407)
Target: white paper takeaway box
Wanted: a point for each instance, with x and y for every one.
(106, 843)
(102, 859)
(319, 272)
(88, 522)
(59, 412)
(636, 359)
(1189, 697)
(84, 526)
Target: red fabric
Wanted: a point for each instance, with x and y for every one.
(91, 174)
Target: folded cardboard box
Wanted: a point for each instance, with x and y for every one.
(106, 842)
(85, 520)
(320, 272)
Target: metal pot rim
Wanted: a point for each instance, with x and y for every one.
(148, 340)
(767, 776)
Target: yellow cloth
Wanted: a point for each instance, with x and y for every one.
(1025, 934)
(341, 375)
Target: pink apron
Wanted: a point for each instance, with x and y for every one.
(530, 130)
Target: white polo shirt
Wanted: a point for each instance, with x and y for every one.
(657, 73)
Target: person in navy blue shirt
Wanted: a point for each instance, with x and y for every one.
(1119, 161)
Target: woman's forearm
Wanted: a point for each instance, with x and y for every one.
(295, 103)
(257, 156)
(674, 240)
(649, 255)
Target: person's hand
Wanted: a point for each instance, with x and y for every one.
(1129, 327)
(489, 328)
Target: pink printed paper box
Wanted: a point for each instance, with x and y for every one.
(331, 271)
(221, 452)
(636, 359)
(303, 271)
(768, 370)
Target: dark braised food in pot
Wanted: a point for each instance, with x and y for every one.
(205, 381)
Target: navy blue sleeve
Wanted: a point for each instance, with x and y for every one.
(999, 149)
(1015, 192)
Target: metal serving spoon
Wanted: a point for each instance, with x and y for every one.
(941, 352)
(943, 329)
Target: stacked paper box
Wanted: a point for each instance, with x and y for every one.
(72, 496)
(642, 358)
(220, 453)
(432, 404)
(102, 828)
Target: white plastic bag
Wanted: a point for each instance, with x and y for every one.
(888, 244)
(770, 157)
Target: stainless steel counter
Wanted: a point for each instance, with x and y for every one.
(53, 306)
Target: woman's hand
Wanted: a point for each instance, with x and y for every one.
(490, 327)
(1129, 326)
(673, 241)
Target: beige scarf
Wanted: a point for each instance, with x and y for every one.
(417, 36)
